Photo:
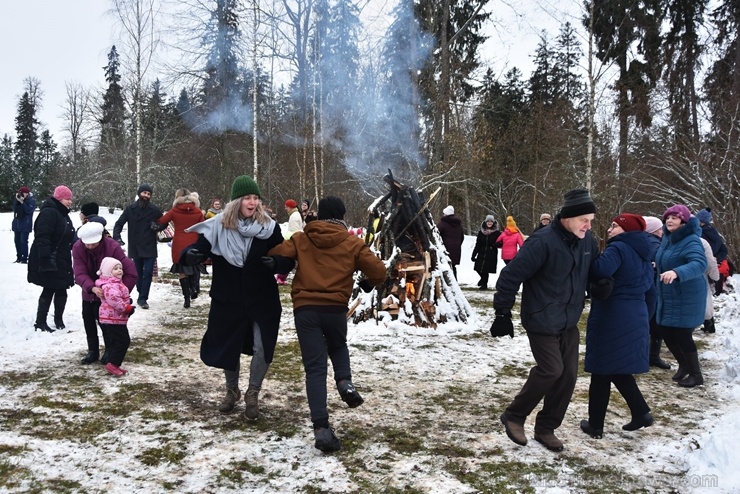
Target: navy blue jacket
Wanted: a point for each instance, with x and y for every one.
(23, 214)
(711, 235)
(553, 265)
(681, 304)
(619, 327)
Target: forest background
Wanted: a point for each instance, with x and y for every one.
(638, 101)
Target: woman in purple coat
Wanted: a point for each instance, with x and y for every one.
(87, 255)
(618, 325)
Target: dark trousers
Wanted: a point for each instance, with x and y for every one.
(678, 340)
(21, 246)
(90, 311)
(483, 279)
(599, 392)
(118, 342)
(553, 378)
(145, 269)
(320, 335)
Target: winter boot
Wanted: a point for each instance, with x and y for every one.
(229, 401)
(639, 422)
(694, 378)
(185, 285)
(251, 400)
(594, 432)
(349, 394)
(708, 326)
(92, 355)
(655, 360)
(683, 368)
(106, 356)
(59, 304)
(326, 440)
(41, 312)
(194, 284)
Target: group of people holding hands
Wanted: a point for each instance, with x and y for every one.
(641, 277)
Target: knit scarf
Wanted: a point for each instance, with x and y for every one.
(232, 245)
(487, 231)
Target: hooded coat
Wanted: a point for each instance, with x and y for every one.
(50, 258)
(510, 242)
(327, 256)
(618, 328)
(185, 212)
(485, 252)
(681, 304)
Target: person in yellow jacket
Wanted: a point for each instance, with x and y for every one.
(327, 256)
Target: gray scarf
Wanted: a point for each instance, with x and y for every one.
(232, 245)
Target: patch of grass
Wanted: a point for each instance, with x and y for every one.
(401, 440)
(169, 453)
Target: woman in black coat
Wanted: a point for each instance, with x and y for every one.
(485, 253)
(245, 302)
(50, 259)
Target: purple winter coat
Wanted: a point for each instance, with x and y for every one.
(86, 263)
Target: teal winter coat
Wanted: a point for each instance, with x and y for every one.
(681, 304)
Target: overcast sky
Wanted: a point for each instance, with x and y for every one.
(59, 41)
(54, 41)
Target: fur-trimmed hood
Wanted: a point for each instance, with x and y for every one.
(192, 197)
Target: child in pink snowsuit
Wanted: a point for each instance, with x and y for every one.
(115, 310)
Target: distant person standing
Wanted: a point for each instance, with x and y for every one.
(295, 224)
(545, 220)
(511, 239)
(50, 259)
(91, 212)
(451, 230)
(485, 253)
(553, 265)
(142, 240)
(716, 242)
(214, 208)
(24, 204)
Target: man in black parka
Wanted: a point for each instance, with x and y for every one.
(142, 239)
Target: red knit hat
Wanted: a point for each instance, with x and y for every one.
(290, 203)
(62, 192)
(630, 222)
(24, 190)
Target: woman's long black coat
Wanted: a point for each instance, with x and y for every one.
(485, 251)
(50, 258)
(239, 298)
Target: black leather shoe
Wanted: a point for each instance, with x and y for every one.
(639, 422)
(90, 358)
(105, 358)
(660, 364)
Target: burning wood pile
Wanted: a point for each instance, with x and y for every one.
(420, 288)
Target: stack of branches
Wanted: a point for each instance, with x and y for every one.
(420, 288)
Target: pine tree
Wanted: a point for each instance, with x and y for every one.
(26, 143)
(113, 118)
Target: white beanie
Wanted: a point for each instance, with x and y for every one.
(91, 232)
(107, 265)
(652, 223)
(448, 211)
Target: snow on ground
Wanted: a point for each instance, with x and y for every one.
(395, 365)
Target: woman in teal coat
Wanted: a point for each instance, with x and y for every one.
(680, 264)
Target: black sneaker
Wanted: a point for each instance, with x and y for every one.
(326, 441)
(142, 304)
(349, 394)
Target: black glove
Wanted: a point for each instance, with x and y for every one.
(269, 263)
(192, 257)
(472, 258)
(366, 286)
(602, 288)
(502, 324)
(120, 241)
(19, 197)
(155, 226)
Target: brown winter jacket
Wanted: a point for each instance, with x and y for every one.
(327, 256)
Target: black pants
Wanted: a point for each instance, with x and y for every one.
(600, 390)
(90, 312)
(553, 378)
(320, 335)
(118, 342)
(680, 339)
(483, 279)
